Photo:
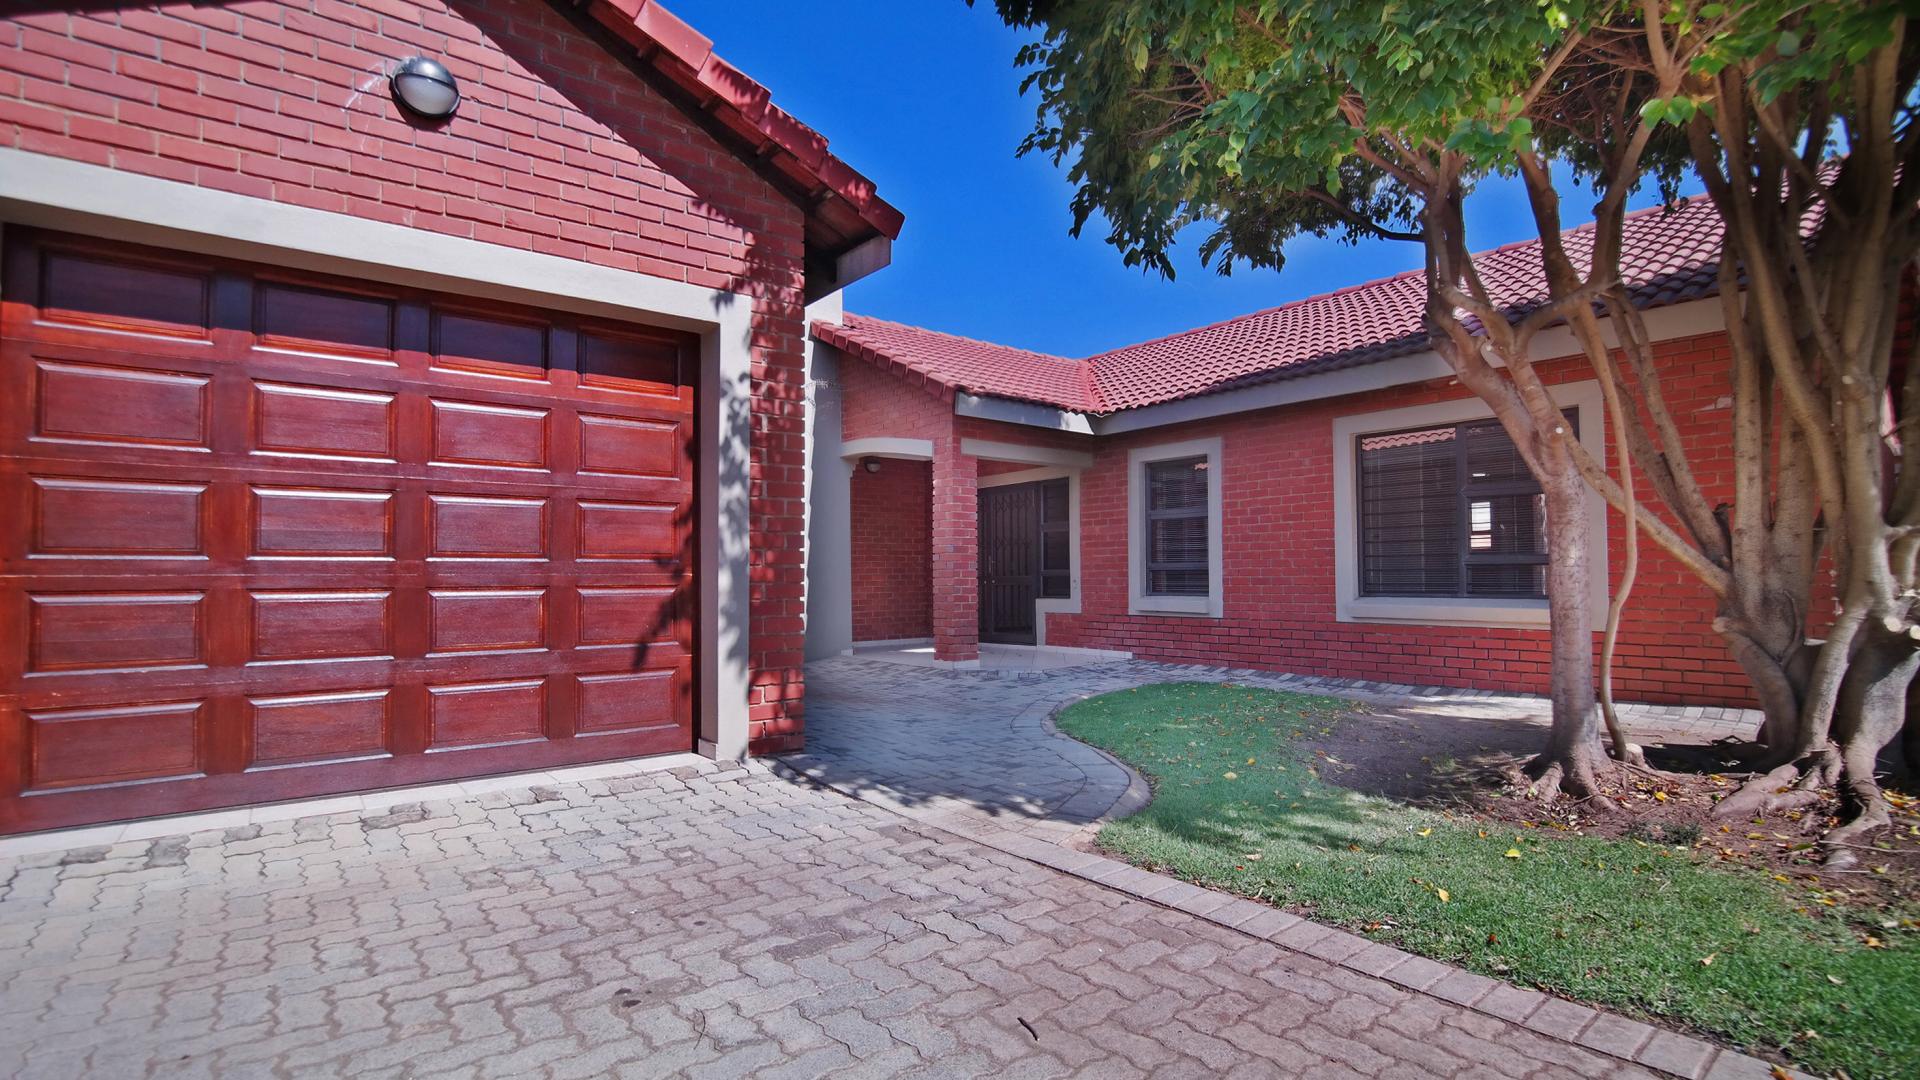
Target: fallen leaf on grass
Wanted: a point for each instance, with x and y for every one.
(1443, 895)
(1513, 853)
(1428, 831)
(1707, 960)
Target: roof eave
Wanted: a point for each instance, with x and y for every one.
(843, 210)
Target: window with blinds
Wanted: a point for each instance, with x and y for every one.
(1176, 527)
(1450, 511)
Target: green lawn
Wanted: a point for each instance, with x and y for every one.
(1641, 929)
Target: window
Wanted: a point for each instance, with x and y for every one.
(1450, 511)
(1436, 521)
(1177, 527)
(1174, 529)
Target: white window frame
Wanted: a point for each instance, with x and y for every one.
(1212, 605)
(1350, 606)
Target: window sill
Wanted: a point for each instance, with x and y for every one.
(1204, 607)
(1519, 614)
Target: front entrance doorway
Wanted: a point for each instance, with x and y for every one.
(1024, 556)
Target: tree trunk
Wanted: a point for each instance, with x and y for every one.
(1574, 753)
(1870, 713)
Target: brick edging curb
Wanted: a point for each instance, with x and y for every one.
(1592, 1029)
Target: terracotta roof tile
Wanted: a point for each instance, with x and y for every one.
(956, 363)
(1668, 257)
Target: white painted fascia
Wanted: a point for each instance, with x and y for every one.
(1350, 606)
(73, 196)
(887, 447)
(1363, 378)
(1027, 455)
(1044, 606)
(1007, 410)
(1139, 602)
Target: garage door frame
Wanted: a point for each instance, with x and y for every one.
(55, 193)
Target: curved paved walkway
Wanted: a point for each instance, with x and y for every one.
(976, 751)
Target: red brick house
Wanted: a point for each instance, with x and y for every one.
(1304, 489)
(342, 448)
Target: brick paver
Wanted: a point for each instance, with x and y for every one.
(709, 922)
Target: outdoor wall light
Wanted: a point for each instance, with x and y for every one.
(871, 464)
(425, 88)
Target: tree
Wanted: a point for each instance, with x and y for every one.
(1311, 117)
(1798, 117)
(1279, 119)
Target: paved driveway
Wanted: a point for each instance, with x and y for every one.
(723, 922)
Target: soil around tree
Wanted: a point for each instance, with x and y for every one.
(1463, 766)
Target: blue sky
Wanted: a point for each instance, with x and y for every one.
(922, 96)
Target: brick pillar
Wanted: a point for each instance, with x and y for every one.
(956, 552)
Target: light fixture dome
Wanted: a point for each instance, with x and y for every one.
(425, 88)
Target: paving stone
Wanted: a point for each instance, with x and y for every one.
(1675, 1054)
(1616, 1035)
(735, 922)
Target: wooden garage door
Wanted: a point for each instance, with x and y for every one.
(267, 535)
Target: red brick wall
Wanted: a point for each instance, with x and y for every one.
(892, 512)
(558, 148)
(1279, 598)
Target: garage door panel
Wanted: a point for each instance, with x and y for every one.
(486, 620)
(624, 616)
(331, 523)
(632, 446)
(146, 295)
(630, 364)
(481, 433)
(332, 321)
(332, 538)
(289, 730)
(632, 701)
(466, 342)
(324, 421)
(470, 526)
(466, 715)
(106, 631)
(120, 405)
(100, 517)
(320, 624)
(70, 748)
